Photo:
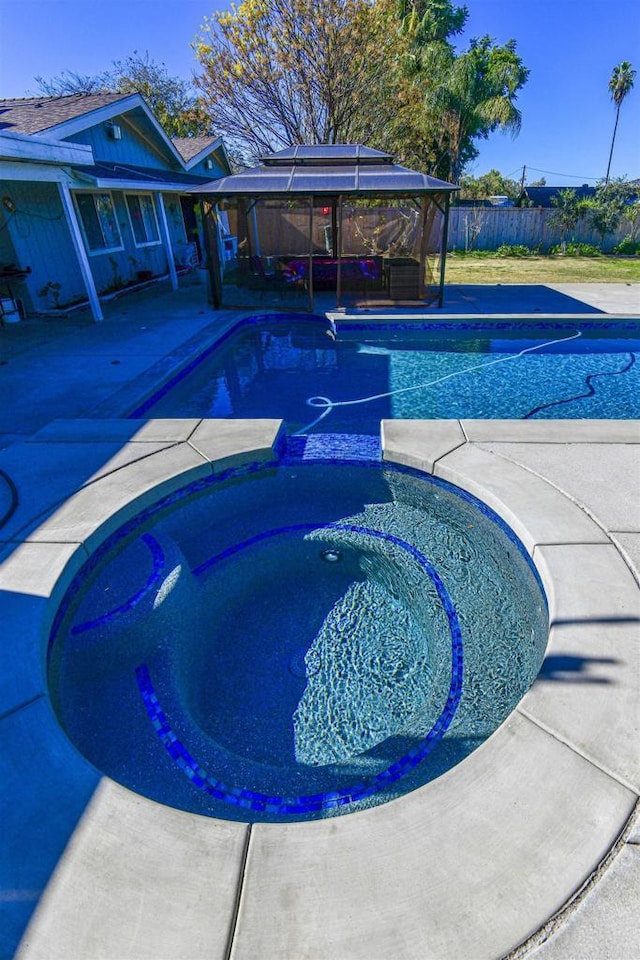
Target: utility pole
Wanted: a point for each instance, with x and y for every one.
(524, 170)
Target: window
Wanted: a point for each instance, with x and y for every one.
(99, 222)
(144, 223)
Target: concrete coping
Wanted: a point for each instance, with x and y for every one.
(472, 864)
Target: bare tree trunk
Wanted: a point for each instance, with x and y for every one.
(613, 140)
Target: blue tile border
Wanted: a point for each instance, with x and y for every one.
(437, 326)
(142, 409)
(333, 446)
(285, 455)
(314, 803)
(486, 326)
(362, 454)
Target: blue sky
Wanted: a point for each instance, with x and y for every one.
(570, 46)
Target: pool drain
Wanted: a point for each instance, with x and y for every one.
(331, 556)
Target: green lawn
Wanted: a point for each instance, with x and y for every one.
(467, 268)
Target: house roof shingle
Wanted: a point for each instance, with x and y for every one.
(189, 147)
(35, 114)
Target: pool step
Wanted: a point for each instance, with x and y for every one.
(333, 446)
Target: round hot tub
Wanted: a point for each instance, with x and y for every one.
(296, 640)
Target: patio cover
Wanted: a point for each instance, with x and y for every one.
(326, 170)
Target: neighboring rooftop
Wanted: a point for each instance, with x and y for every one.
(542, 196)
(35, 114)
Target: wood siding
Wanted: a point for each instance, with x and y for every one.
(41, 240)
(113, 270)
(37, 236)
(132, 148)
(215, 173)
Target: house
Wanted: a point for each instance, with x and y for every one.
(95, 197)
(543, 196)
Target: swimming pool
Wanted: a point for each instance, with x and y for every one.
(394, 622)
(345, 380)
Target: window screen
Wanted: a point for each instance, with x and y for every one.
(99, 221)
(143, 218)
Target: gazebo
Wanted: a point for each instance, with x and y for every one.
(339, 218)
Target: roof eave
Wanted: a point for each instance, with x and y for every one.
(67, 128)
(226, 194)
(144, 186)
(24, 147)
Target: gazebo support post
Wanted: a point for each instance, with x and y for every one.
(424, 242)
(334, 230)
(212, 253)
(310, 286)
(443, 250)
(338, 253)
(257, 250)
(244, 240)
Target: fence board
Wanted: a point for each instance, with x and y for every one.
(486, 228)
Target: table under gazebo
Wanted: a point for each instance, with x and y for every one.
(333, 217)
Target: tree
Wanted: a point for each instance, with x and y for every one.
(382, 72)
(70, 82)
(283, 72)
(453, 99)
(476, 97)
(620, 85)
(488, 185)
(613, 199)
(173, 101)
(569, 209)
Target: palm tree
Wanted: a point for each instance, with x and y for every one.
(620, 84)
(471, 95)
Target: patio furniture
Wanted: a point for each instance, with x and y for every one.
(403, 278)
(11, 308)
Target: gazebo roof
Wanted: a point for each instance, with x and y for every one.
(331, 153)
(326, 170)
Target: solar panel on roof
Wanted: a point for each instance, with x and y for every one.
(342, 181)
(326, 152)
(405, 181)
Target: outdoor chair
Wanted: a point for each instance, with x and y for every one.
(260, 279)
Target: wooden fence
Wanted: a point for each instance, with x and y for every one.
(381, 229)
(486, 228)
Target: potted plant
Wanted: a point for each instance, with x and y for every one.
(51, 292)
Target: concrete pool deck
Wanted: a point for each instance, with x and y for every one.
(530, 837)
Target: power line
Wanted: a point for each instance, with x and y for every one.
(570, 176)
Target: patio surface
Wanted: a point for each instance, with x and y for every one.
(528, 848)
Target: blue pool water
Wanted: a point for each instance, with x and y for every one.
(296, 640)
(345, 381)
